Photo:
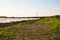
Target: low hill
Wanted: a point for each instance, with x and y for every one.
(3, 16)
(42, 29)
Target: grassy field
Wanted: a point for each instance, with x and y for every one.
(42, 29)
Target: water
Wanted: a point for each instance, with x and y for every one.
(8, 20)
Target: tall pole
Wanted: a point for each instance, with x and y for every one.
(37, 13)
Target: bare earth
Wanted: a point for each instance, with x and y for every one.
(32, 32)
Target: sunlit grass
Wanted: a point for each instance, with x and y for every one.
(11, 32)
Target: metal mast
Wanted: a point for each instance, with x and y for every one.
(37, 13)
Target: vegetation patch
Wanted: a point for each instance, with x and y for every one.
(42, 29)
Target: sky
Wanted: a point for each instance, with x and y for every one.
(27, 8)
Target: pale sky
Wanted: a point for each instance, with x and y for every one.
(28, 8)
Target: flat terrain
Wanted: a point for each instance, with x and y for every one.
(42, 29)
(9, 20)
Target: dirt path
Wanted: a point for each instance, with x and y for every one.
(33, 32)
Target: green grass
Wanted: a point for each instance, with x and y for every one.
(21, 32)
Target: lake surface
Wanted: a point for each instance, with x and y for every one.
(8, 20)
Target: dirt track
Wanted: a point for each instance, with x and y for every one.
(34, 32)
